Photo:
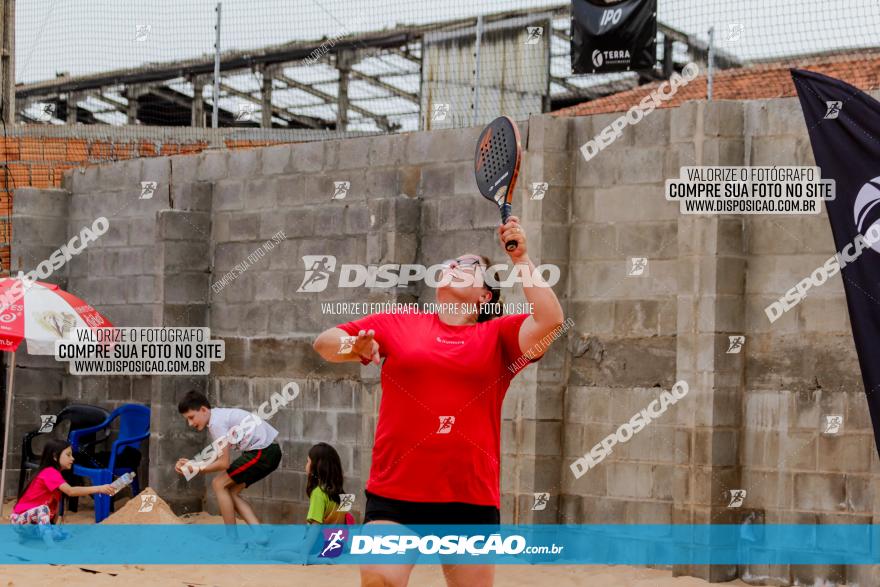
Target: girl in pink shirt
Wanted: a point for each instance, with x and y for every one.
(38, 504)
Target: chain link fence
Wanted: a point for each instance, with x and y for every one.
(319, 68)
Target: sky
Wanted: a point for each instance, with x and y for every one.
(86, 36)
(90, 36)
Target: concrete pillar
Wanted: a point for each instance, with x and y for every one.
(73, 99)
(266, 98)
(533, 413)
(132, 93)
(7, 61)
(39, 227)
(344, 61)
(183, 261)
(198, 103)
(711, 308)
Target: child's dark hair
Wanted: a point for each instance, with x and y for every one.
(193, 400)
(492, 308)
(325, 472)
(51, 457)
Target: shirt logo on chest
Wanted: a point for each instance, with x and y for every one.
(446, 423)
(444, 341)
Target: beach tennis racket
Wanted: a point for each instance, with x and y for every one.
(496, 165)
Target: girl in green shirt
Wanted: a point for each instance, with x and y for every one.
(324, 485)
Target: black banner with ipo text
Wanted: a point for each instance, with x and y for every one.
(844, 127)
(613, 37)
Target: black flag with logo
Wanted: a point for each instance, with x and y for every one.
(844, 127)
(617, 37)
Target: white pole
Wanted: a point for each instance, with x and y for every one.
(711, 64)
(216, 95)
(8, 417)
(477, 70)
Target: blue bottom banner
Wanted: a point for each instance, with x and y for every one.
(659, 544)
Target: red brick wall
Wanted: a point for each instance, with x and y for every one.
(41, 162)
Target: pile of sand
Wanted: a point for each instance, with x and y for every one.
(144, 508)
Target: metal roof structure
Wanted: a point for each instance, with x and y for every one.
(369, 82)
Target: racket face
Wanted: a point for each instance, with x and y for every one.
(497, 159)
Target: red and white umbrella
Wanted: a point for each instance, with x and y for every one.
(39, 313)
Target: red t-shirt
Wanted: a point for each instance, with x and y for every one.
(433, 371)
(43, 490)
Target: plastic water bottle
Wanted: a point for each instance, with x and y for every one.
(122, 482)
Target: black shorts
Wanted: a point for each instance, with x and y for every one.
(428, 513)
(253, 465)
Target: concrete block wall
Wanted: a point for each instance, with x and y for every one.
(269, 326)
(801, 368)
(39, 380)
(623, 348)
(533, 411)
(145, 270)
(37, 156)
(751, 421)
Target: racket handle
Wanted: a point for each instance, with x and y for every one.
(505, 214)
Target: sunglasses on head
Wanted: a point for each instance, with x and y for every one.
(463, 262)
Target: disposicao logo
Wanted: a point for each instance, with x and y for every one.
(319, 268)
(334, 543)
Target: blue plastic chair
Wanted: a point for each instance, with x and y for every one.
(134, 428)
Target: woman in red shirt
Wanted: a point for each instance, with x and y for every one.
(436, 455)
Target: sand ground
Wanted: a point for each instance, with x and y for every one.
(334, 575)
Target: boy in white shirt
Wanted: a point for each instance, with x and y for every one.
(254, 437)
